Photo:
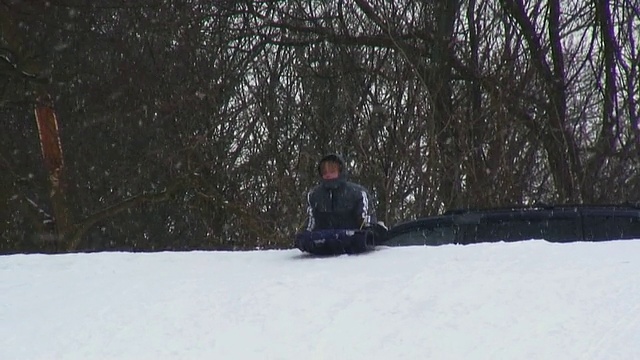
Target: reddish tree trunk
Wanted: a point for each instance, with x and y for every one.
(53, 161)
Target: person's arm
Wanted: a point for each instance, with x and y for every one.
(311, 221)
(376, 232)
(364, 209)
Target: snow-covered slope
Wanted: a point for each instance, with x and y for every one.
(528, 300)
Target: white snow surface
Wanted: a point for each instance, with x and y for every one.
(525, 300)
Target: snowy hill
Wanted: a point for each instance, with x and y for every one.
(528, 300)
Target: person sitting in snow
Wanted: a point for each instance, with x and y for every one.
(337, 203)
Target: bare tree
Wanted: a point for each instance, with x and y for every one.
(198, 124)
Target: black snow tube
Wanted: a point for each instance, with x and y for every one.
(335, 242)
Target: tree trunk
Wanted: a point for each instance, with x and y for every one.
(54, 164)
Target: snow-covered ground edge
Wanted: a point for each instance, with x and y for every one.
(526, 300)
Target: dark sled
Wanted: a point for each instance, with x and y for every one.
(340, 241)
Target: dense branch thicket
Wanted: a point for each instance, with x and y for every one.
(197, 124)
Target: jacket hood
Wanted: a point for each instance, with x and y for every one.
(333, 183)
(333, 157)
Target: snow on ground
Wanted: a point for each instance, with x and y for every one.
(528, 300)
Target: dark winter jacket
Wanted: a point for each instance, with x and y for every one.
(339, 204)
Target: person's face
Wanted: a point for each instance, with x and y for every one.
(330, 170)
